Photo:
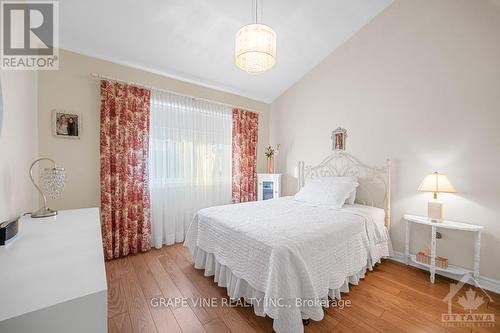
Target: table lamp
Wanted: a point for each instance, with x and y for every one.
(52, 182)
(436, 182)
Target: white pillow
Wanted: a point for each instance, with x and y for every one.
(325, 193)
(344, 179)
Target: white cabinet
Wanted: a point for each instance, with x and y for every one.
(269, 186)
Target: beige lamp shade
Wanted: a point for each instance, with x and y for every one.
(436, 182)
(255, 49)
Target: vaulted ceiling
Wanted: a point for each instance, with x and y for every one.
(193, 40)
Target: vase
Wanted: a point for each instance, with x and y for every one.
(270, 164)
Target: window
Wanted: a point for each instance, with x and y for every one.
(189, 162)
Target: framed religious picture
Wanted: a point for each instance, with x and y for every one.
(66, 124)
(338, 136)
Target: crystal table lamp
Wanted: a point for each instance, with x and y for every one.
(436, 182)
(51, 182)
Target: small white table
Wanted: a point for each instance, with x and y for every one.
(444, 224)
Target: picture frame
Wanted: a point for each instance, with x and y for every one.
(339, 136)
(66, 124)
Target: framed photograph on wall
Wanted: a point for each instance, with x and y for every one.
(66, 124)
(338, 136)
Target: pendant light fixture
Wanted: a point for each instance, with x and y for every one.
(255, 50)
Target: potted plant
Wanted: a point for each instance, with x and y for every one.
(270, 152)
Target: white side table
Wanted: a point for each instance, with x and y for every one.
(475, 229)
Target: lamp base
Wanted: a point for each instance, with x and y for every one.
(435, 211)
(44, 212)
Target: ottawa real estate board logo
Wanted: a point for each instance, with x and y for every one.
(29, 36)
(472, 303)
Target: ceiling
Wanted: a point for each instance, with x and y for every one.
(193, 40)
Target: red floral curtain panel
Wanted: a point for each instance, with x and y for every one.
(125, 205)
(244, 173)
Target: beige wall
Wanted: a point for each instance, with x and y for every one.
(18, 143)
(71, 88)
(419, 84)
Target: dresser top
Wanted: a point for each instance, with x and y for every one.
(446, 224)
(53, 260)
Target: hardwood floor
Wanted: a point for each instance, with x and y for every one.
(392, 298)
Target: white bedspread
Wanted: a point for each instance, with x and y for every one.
(288, 250)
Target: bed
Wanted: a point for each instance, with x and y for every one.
(288, 258)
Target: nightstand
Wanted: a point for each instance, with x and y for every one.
(443, 224)
(268, 186)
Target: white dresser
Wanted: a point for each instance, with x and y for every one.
(52, 278)
(268, 186)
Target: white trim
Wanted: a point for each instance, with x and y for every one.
(485, 282)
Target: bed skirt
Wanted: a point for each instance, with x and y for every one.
(287, 314)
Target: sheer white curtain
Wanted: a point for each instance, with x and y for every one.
(189, 162)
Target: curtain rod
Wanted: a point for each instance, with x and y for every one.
(140, 85)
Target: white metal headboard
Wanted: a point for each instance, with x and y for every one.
(374, 183)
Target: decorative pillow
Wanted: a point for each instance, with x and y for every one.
(344, 179)
(326, 193)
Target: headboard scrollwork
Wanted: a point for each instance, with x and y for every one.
(374, 183)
